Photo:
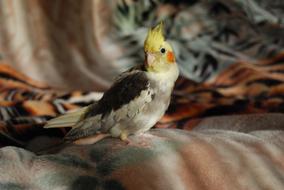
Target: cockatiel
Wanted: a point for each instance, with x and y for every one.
(134, 103)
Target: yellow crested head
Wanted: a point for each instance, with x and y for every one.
(154, 38)
(159, 55)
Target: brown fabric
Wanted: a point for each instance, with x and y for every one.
(43, 39)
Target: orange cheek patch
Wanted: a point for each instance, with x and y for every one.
(171, 57)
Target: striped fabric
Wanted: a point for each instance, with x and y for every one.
(241, 89)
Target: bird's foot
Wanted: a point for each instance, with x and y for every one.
(91, 139)
(124, 137)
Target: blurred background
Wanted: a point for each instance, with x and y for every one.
(85, 44)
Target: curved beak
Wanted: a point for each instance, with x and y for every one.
(149, 59)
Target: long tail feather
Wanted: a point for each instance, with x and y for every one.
(66, 120)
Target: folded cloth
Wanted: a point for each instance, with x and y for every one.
(230, 53)
(211, 156)
(84, 44)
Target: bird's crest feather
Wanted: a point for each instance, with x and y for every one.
(154, 39)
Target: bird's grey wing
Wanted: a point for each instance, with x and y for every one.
(84, 128)
(123, 100)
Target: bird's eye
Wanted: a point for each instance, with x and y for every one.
(163, 50)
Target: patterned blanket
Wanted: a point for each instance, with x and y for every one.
(224, 126)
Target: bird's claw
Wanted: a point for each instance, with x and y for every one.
(124, 137)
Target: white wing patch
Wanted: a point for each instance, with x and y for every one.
(134, 107)
(129, 111)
